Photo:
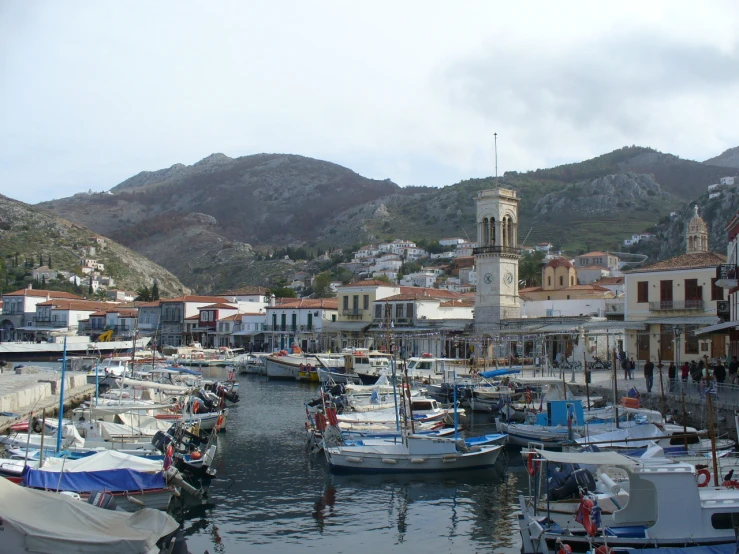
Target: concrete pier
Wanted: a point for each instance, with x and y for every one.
(34, 392)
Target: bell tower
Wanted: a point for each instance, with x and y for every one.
(496, 257)
(697, 235)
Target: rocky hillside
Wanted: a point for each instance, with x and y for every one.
(729, 158)
(28, 233)
(204, 222)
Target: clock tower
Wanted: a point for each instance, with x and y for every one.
(496, 258)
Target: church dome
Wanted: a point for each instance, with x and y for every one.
(559, 262)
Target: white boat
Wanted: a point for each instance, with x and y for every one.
(659, 505)
(76, 345)
(282, 365)
(413, 453)
(51, 523)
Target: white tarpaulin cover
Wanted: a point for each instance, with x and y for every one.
(133, 426)
(49, 523)
(102, 461)
(587, 458)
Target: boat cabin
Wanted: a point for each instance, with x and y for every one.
(559, 411)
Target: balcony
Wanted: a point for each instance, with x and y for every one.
(726, 276)
(354, 313)
(676, 306)
(506, 250)
(48, 322)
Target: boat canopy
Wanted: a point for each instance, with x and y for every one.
(112, 480)
(102, 461)
(587, 458)
(57, 523)
(498, 373)
(184, 370)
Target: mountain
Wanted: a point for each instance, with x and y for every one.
(729, 158)
(212, 223)
(29, 233)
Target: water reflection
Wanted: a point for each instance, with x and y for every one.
(272, 494)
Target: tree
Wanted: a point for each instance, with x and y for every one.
(49, 261)
(529, 269)
(321, 286)
(283, 292)
(89, 288)
(384, 279)
(43, 281)
(155, 291)
(40, 260)
(143, 294)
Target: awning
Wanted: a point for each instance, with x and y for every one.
(683, 320)
(588, 458)
(330, 326)
(726, 326)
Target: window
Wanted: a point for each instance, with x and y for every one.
(561, 281)
(642, 292)
(398, 311)
(717, 293)
(728, 520)
(665, 291)
(568, 297)
(409, 310)
(572, 281)
(378, 311)
(692, 290)
(355, 302)
(366, 302)
(346, 302)
(283, 322)
(549, 281)
(295, 321)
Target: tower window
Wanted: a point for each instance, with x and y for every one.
(572, 281)
(561, 281)
(549, 281)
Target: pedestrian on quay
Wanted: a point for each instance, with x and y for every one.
(671, 376)
(695, 372)
(649, 374)
(719, 372)
(685, 371)
(632, 367)
(625, 365)
(733, 367)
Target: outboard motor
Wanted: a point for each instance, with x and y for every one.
(567, 483)
(103, 500)
(161, 440)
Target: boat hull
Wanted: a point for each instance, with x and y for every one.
(280, 370)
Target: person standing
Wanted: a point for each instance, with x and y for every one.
(733, 368)
(695, 372)
(685, 371)
(719, 372)
(625, 365)
(649, 374)
(632, 367)
(671, 376)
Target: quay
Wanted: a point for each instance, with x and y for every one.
(36, 390)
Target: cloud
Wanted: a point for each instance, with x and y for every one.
(93, 93)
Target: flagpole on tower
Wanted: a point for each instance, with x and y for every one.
(496, 154)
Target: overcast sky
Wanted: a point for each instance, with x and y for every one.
(91, 93)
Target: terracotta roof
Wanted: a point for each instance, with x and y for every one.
(44, 293)
(233, 317)
(369, 283)
(308, 303)
(685, 261)
(248, 290)
(193, 318)
(251, 313)
(595, 253)
(218, 306)
(154, 304)
(559, 262)
(80, 305)
(439, 293)
(530, 289)
(610, 281)
(189, 298)
(588, 287)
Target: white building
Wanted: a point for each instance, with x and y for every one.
(451, 241)
(299, 322)
(727, 181)
(419, 279)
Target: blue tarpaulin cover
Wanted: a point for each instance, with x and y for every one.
(112, 480)
(499, 372)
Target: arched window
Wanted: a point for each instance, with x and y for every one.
(485, 235)
(504, 231)
(561, 281)
(492, 231)
(572, 281)
(549, 281)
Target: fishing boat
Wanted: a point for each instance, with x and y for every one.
(655, 504)
(47, 522)
(282, 365)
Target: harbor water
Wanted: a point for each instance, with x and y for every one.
(272, 494)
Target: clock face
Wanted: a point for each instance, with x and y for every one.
(508, 278)
(488, 278)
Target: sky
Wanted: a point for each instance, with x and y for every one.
(92, 93)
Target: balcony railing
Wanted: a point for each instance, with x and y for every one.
(510, 250)
(352, 311)
(48, 322)
(676, 305)
(288, 328)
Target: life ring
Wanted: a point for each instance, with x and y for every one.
(195, 406)
(201, 356)
(529, 397)
(219, 423)
(585, 509)
(37, 426)
(730, 484)
(565, 549)
(532, 464)
(703, 473)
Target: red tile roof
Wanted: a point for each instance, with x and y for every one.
(461, 302)
(234, 317)
(559, 262)
(190, 298)
(79, 305)
(685, 261)
(610, 281)
(308, 303)
(43, 293)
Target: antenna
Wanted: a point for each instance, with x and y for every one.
(496, 154)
